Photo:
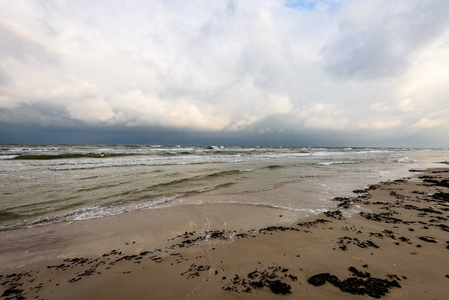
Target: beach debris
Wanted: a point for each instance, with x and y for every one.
(313, 223)
(92, 270)
(443, 227)
(381, 217)
(279, 287)
(194, 270)
(277, 228)
(405, 240)
(376, 234)
(344, 241)
(13, 292)
(433, 182)
(336, 214)
(441, 196)
(221, 235)
(428, 239)
(345, 202)
(360, 191)
(425, 209)
(13, 285)
(359, 273)
(360, 283)
(393, 276)
(255, 280)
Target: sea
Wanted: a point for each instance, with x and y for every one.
(45, 184)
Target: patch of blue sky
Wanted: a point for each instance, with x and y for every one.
(329, 5)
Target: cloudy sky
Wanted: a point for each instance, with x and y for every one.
(269, 72)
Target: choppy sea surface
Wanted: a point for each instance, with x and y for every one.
(44, 184)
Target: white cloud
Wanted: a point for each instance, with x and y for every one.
(91, 110)
(406, 105)
(286, 66)
(427, 81)
(426, 123)
(323, 109)
(139, 109)
(324, 116)
(278, 105)
(380, 107)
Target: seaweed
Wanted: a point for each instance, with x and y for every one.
(361, 283)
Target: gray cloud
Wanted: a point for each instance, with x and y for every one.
(382, 41)
(4, 78)
(39, 114)
(23, 48)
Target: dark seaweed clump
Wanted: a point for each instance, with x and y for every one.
(271, 278)
(337, 214)
(361, 283)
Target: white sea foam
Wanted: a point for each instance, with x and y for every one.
(94, 212)
(206, 190)
(330, 163)
(270, 205)
(246, 170)
(406, 159)
(8, 156)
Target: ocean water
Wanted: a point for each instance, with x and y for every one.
(43, 184)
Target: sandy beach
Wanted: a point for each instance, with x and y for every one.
(218, 150)
(395, 247)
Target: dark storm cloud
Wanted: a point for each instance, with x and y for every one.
(38, 114)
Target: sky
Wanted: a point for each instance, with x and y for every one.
(236, 72)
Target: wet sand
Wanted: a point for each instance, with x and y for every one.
(396, 248)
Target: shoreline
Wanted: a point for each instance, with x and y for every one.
(397, 250)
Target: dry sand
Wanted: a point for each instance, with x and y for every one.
(396, 249)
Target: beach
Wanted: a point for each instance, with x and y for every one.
(394, 247)
(219, 150)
